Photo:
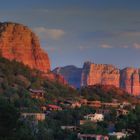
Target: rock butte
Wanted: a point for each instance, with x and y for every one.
(104, 74)
(20, 43)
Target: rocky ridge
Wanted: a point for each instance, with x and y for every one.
(104, 74)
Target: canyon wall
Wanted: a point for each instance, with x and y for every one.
(104, 74)
(20, 43)
(130, 80)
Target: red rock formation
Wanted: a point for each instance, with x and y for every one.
(103, 74)
(130, 80)
(20, 43)
(54, 77)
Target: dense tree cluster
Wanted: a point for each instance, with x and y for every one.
(106, 93)
(15, 82)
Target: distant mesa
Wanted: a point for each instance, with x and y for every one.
(18, 42)
(104, 74)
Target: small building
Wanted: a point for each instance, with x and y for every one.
(112, 105)
(51, 107)
(83, 101)
(71, 104)
(37, 94)
(75, 104)
(125, 104)
(133, 107)
(36, 116)
(82, 122)
(95, 104)
(92, 136)
(103, 111)
(115, 100)
(122, 112)
(71, 128)
(118, 135)
(94, 117)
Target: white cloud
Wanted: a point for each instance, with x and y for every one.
(106, 46)
(125, 46)
(136, 46)
(49, 33)
(82, 48)
(132, 33)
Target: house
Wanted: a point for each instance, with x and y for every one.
(118, 135)
(36, 116)
(71, 128)
(133, 106)
(110, 104)
(115, 100)
(83, 101)
(95, 104)
(37, 94)
(51, 107)
(94, 117)
(75, 104)
(125, 104)
(103, 111)
(122, 112)
(71, 104)
(92, 136)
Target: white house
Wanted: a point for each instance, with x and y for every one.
(36, 116)
(72, 128)
(94, 117)
(92, 136)
(118, 135)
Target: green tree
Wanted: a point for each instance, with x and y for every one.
(8, 118)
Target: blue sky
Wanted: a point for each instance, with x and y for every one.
(74, 31)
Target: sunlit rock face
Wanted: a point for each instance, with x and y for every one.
(103, 74)
(130, 80)
(20, 43)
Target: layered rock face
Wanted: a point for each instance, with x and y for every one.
(71, 74)
(20, 43)
(130, 80)
(104, 74)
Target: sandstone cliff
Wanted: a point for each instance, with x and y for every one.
(20, 43)
(130, 80)
(103, 74)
